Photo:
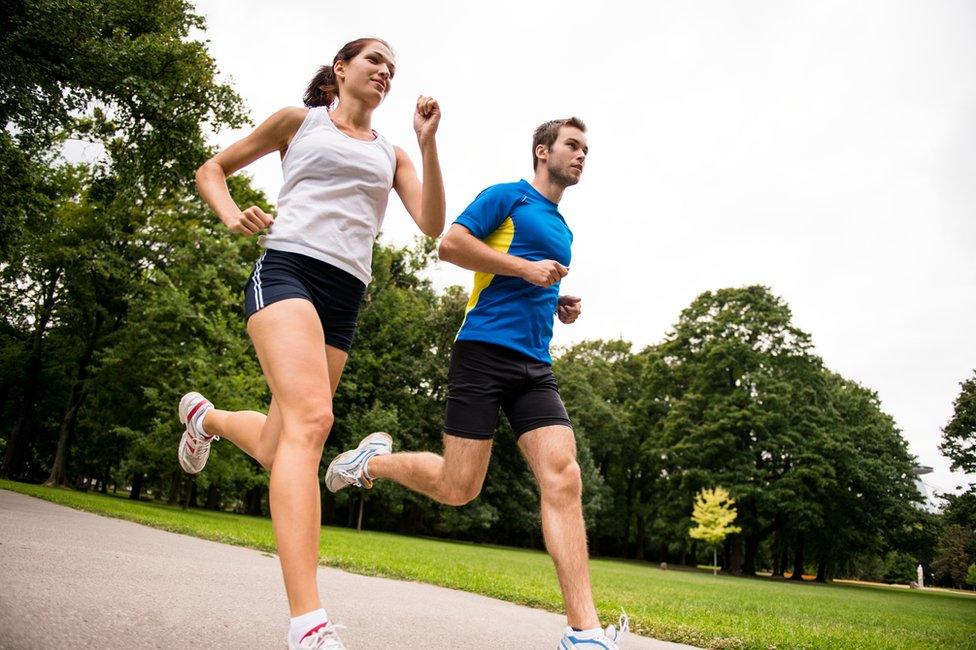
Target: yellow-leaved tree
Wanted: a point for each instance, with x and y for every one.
(713, 515)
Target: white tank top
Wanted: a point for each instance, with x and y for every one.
(334, 196)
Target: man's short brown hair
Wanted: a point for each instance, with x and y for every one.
(547, 132)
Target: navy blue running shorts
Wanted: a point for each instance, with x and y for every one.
(485, 376)
(335, 294)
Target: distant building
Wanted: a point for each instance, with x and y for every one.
(927, 491)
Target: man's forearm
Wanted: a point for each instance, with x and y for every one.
(469, 252)
(461, 247)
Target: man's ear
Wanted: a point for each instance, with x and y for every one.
(542, 152)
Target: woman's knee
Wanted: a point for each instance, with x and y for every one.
(308, 425)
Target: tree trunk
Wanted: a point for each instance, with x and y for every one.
(256, 496)
(328, 507)
(714, 560)
(822, 569)
(136, 486)
(403, 522)
(359, 519)
(778, 555)
(751, 549)
(735, 558)
(191, 496)
(798, 559)
(75, 399)
(175, 484)
(641, 533)
(628, 510)
(213, 498)
(32, 375)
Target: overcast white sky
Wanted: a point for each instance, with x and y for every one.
(824, 149)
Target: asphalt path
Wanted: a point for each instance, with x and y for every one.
(71, 579)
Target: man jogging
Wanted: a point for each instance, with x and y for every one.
(518, 244)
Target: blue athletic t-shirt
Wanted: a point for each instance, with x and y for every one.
(515, 218)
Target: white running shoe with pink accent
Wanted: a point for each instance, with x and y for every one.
(321, 637)
(195, 443)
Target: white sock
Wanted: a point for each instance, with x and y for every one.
(198, 418)
(300, 625)
(591, 633)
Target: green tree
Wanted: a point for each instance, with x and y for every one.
(959, 435)
(713, 515)
(951, 559)
(870, 502)
(125, 76)
(737, 414)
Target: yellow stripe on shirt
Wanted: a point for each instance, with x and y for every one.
(501, 241)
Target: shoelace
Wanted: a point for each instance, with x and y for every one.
(358, 481)
(623, 627)
(325, 638)
(202, 445)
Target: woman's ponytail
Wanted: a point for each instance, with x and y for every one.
(323, 89)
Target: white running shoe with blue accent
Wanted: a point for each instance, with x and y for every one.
(597, 639)
(348, 468)
(194, 446)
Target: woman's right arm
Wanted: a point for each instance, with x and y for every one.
(274, 134)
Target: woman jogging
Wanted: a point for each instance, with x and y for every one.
(307, 288)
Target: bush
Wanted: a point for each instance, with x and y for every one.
(900, 568)
(865, 567)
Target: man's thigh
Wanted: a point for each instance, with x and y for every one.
(549, 449)
(466, 461)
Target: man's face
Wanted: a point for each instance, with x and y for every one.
(566, 158)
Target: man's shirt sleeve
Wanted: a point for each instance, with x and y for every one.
(487, 212)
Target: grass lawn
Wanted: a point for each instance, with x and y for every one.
(686, 606)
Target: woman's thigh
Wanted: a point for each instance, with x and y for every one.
(289, 342)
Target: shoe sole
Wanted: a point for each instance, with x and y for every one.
(184, 410)
(365, 441)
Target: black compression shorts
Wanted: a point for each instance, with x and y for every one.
(484, 376)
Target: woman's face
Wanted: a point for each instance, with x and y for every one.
(368, 75)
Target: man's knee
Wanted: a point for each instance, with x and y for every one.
(563, 481)
(459, 494)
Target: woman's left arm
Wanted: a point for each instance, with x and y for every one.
(424, 201)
